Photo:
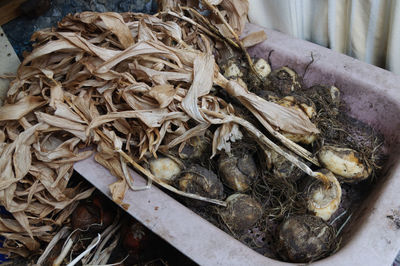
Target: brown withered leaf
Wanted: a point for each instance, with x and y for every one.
(254, 38)
(62, 233)
(11, 225)
(49, 48)
(21, 251)
(22, 160)
(28, 242)
(76, 129)
(21, 108)
(283, 118)
(160, 77)
(113, 164)
(66, 213)
(63, 204)
(22, 143)
(46, 176)
(56, 95)
(103, 53)
(23, 221)
(202, 82)
(236, 11)
(64, 111)
(152, 118)
(115, 23)
(224, 136)
(118, 190)
(140, 48)
(164, 94)
(2, 136)
(198, 130)
(145, 33)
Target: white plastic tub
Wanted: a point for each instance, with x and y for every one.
(373, 96)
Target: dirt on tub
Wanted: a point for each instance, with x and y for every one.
(395, 218)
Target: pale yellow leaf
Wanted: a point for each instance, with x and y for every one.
(21, 108)
(254, 38)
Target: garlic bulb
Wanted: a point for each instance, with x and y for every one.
(344, 162)
(324, 201)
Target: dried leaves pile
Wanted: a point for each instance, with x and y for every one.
(129, 85)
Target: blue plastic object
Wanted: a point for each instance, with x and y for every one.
(3, 258)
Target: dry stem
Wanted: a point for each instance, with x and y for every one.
(146, 172)
(285, 141)
(128, 177)
(222, 81)
(87, 251)
(270, 144)
(63, 253)
(191, 21)
(164, 185)
(62, 233)
(216, 33)
(235, 36)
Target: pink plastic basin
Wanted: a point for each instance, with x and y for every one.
(373, 95)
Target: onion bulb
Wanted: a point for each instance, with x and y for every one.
(200, 181)
(281, 167)
(135, 237)
(232, 70)
(335, 95)
(305, 238)
(262, 68)
(195, 148)
(238, 172)
(284, 80)
(241, 213)
(85, 215)
(165, 169)
(324, 201)
(345, 162)
(306, 108)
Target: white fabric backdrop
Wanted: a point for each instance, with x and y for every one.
(365, 29)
